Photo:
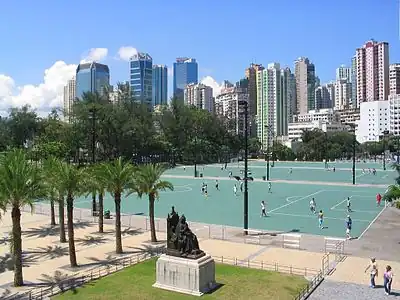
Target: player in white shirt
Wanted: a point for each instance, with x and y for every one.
(313, 206)
(263, 209)
(348, 204)
(269, 187)
(235, 190)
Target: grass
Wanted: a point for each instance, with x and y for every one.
(236, 283)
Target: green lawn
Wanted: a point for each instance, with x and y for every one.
(237, 283)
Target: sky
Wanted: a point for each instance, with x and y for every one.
(43, 41)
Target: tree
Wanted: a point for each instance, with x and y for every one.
(147, 181)
(115, 177)
(71, 182)
(23, 124)
(21, 183)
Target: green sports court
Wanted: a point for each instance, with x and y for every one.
(287, 204)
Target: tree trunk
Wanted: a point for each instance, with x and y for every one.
(52, 214)
(61, 220)
(151, 215)
(118, 237)
(17, 246)
(101, 213)
(94, 208)
(70, 225)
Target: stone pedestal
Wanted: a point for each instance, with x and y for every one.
(189, 276)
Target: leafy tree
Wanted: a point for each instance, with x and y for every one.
(21, 183)
(148, 181)
(116, 177)
(23, 124)
(71, 182)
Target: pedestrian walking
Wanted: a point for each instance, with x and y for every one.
(263, 209)
(378, 199)
(387, 279)
(373, 271)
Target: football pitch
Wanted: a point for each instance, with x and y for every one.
(287, 204)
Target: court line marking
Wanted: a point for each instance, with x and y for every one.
(370, 224)
(360, 211)
(336, 205)
(291, 197)
(315, 217)
(302, 198)
(385, 176)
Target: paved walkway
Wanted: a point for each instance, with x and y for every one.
(331, 290)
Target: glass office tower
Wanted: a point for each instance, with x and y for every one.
(160, 85)
(185, 72)
(141, 78)
(91, 77)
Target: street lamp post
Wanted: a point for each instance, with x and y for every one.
(353, 126)
(195, 154)
(246, 171)
(384, 149)
(93, 154)
(267, 128)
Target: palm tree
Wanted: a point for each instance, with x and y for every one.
(147, 181)
(71, 182)
(96, 186)
(50, 166)
(115, 177)
(21, 183)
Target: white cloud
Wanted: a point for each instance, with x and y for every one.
(49, 93)
(95, 54)
(208, 80)
(126, 52)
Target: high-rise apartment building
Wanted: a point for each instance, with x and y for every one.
(372, 63)
(343, 73)
(305, 85)
(322, 98)
(160, 85)
(92, 77)
(141, 78)
(200, 96)
(394, 79)
(354, 102)
(69, 99)
(229, 104)
(185, 72)
(251, 76)
(342, 94)
(274, 95)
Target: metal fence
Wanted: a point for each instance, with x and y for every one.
(311, 286)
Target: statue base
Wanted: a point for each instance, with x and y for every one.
(183, 275)
(177, 253)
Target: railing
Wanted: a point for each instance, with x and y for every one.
(311, 286)
(79, 279)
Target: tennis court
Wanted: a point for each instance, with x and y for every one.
(287, 205)
(308, 171)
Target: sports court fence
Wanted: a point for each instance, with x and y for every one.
(202, 230)
(74, 281)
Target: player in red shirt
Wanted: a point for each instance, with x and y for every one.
(378, 199)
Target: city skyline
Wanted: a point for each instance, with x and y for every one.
(20, 85)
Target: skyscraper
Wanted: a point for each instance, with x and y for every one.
(305, 85)
(185, 72)
(394, 79)
(69, 98)
(343, 72)
(354, 82)
(274, 95)
(141, 66)
(160, 85)
(372, 63)
(251, 76)
(322, 97)
(200, 96)
(342, 94)
(91, 77)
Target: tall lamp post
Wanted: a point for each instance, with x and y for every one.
(384, 149)
(195, 154)
(93, 154)
(353, 127)
(246, 171)
(267, 155)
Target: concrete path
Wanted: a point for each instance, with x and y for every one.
(331, 290)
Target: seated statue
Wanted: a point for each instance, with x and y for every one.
(181, 241)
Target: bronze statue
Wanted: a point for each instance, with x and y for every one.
(181, 241)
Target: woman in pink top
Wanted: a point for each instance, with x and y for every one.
(387, 279)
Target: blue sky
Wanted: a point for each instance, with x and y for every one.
(224, 36)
